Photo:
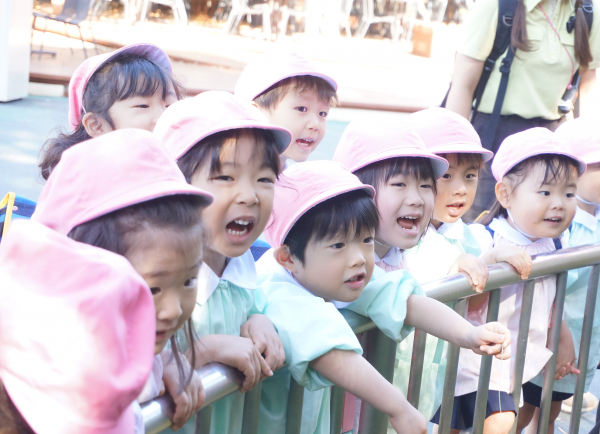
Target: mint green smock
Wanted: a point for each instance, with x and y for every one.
(585, 229)
(310, 327)
(430, 260)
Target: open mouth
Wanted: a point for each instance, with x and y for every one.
(161, 335)
(305, 143)
(240, 227)
(455, 209)
(409, 223)
(356, 281)
(554, 220)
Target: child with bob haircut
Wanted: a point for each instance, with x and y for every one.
(537, 181)
(291, 93)
(583, 136)
(127, 88)
(123, 193)
(76, 336)
(227, 147)
(323, 224)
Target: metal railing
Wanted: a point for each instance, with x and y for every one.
(380, 351)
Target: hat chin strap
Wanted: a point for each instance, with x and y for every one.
(587, 202)
(531, 237)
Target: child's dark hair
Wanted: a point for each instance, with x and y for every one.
(112, 231)
(557, 167)
(11, 419)
(474, 160)
(381, 172)
(208, 150)
(125, 76)
(353, 211)
(271, 97)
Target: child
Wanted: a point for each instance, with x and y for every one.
(323, 224)
(122, 192)
(537, 175)
(76, 336)
(127, 88)
(583, 136)
(289, 90)
(227, 147)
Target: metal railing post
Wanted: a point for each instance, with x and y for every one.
(553, 339)
(416, 368)
(584, 349)
(294, 408)
(251, 410)
(381, 353)
(202, 421)
(450, 379)
(524, 321)
(486, 368)
(336, 407)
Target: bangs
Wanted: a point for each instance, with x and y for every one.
(470, 159)
(271, 97)
(138, 76)
(381, 172)
(557, 168)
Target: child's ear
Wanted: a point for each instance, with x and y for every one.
(284, 258)
(95, 125)
(503, 194)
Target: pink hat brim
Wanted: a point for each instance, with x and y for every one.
(463, 148)
(580, 162)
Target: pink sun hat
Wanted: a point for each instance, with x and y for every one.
(302, 187)
(84, 72)
(111, 172)
(529, 143)
(188, 121)
(446, 132)
(369, 141)
(77, 332)
(272, 67)
(583, 135)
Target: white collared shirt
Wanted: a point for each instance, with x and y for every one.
(392, 257)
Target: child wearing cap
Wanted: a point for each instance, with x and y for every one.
(227, 147)
(76, 336)
(583, 136)
(127, 88)
(123, 192)
(324, 222)
(537, 181)
(293, 94)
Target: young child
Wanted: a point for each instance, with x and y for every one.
(291, 93)
(537, 180)
(227, 147)
(583, 136)
(127, 88)
(123, 192)
(76, 336)
(323, 224)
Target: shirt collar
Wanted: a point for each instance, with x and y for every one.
(586, 219)
(531, 4)
(239, 271)
(453, 231)
(504, 229)
(392, 257)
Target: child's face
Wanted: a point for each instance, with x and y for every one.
(338, 268)
(405, 206)
(455, 190)
(243, 197)
(588, 186)
(141, 111)
(169, 263)
(541, 210)
(304, 115)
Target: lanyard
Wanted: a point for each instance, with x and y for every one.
(563, 45)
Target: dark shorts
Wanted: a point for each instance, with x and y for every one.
(464, 408)
(532, 394)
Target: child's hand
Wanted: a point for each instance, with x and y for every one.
(474, 267)
(189, 400)
(261, 331)
(237, 352)
(409, 422)
(515, 256)
(566, 357)
(489, 339)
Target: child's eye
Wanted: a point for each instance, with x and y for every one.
(570, 195)
(399, 184)
(223, 178)
(338, 246)
(545, 193)
(447, 176)
(302, 109)
(190, 283)
(266, 180)
(471, 176)
(142, 106)
(323, 114)
(368, 240)
(155, 290)
(429, 186)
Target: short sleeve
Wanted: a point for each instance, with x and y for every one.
(259, 301)
(480, 30)
(310, 327)
(384, 301)
(482, 236)
(595, 39)
(472, 244)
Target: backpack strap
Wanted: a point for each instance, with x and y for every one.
(258, 249)
(588, 13)
(557, 243)
(491, 231)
